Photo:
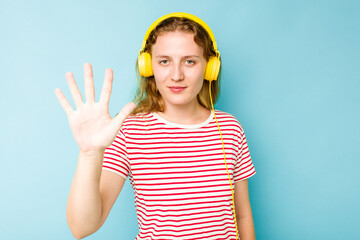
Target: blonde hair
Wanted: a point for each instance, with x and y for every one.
(147, 97)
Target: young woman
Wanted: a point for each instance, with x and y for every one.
(170, 144)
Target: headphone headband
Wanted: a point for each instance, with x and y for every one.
(180, 14)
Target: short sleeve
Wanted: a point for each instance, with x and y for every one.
(244, 167)
(115, 156)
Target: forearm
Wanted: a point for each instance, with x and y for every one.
(84, 203)
(246, 228)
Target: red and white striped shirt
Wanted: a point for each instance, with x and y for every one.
(178, 174)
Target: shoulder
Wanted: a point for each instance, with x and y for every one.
(228, 119)
(137, 118)
(136, 122)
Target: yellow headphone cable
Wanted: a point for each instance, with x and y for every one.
(227, 170)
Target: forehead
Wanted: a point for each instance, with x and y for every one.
(176, 43)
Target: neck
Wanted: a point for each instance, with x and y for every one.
(187, 115)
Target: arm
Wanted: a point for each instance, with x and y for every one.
(92, 192)
(92, 195)
(244, 217)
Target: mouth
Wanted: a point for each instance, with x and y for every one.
(176, 89)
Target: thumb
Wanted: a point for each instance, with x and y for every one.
(122, 115)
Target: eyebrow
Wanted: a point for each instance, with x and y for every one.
(189, 56)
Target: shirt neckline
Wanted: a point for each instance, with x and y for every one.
(178, 125)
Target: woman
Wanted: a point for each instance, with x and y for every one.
(169, 144)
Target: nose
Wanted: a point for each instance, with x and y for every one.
(177, 72)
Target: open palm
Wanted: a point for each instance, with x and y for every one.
(91, 124)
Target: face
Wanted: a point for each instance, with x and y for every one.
(178, 65)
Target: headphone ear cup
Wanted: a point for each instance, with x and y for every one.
(144, 63)
(212, 68)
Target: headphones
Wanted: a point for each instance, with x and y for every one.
(144, 59)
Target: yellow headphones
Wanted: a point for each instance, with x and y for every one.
(144, 59)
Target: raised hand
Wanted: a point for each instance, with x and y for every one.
(91, 124)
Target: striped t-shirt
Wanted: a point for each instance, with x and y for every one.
(178, 174)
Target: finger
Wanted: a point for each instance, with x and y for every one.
(75, 92)
(122, 115)
(64, 103)
(107, 86)
(89, 83)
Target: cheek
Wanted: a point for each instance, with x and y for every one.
(157, 76)
(201, 79)
(200, 85)
(159, 73)
(159, 79)
(198, 75)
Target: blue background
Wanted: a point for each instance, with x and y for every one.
(291, 72)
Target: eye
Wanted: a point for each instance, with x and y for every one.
(190, 62)
(164, 62)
